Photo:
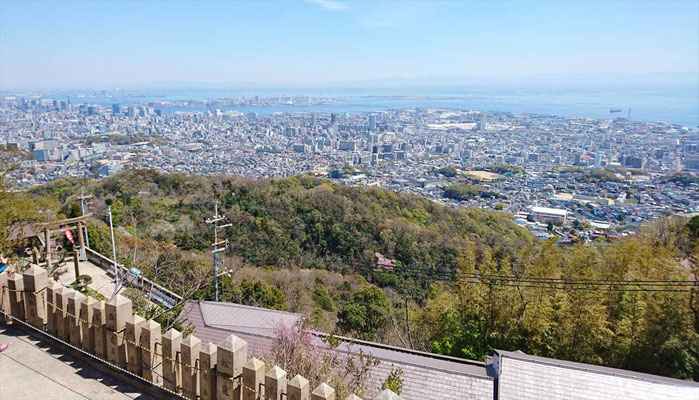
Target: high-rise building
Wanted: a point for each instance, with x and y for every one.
(372, 122)
(348, 145)
(633, 162)
(116, 110)
(691, 162)
(333, 119)
(598, 160)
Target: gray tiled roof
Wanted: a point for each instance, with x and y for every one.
(425, 375)
(256, 327)
(248, 319)
(595, 368)
(524, 377)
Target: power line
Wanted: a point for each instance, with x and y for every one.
(603, 289)
(593, 282)
(443, 274)
(559, 283)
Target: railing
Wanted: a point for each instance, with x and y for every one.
(156, 293)
(135, 346)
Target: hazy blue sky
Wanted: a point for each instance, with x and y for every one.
(313, 42)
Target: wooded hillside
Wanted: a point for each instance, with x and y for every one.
(466, 281)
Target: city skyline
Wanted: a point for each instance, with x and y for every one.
(72, 44)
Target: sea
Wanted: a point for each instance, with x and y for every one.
(676, 104)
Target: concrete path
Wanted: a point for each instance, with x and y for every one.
(102, 282)
(30, 370)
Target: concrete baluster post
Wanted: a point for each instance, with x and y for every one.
(253, 377)
(118, 311)
(172, 340)
(151, 340)
(75, 301)
(232, 354)
(99, 332)
(86, 312)
(51, 290)
(275, 383)
(207, 372)
(190, 366)
(298, 389)
(132, 335)
(323, 392)
(4, 298)
(35, 280)
(15, 285)
(59, 313)
(387, 394)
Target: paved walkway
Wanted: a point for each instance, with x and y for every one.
(101, 281)
(30, 370)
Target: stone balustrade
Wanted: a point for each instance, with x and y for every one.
(184, 366)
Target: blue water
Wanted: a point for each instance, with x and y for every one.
(674, 104)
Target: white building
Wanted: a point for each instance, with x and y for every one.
(549, 214)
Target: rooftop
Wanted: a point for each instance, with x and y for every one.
(216, 321)
(595, 368)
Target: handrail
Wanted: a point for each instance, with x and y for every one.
(158, 296)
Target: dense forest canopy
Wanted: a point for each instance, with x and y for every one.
(465, 282)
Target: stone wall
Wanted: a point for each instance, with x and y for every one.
(111, 332)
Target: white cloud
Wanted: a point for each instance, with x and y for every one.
(329, 4)
(395, 15)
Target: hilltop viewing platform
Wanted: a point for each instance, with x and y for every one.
(349, 200)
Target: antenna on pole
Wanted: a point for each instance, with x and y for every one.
(215, 220)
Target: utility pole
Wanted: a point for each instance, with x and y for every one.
(116, 271)
(215, 220)
(82, 199)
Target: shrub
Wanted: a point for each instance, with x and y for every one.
(393, 381)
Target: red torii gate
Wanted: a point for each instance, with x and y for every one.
(70, 223)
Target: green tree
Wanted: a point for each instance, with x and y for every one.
(322, 297)
(693, 227)
(100, 238)
(449, 172)
(366, 314)
(255, 293)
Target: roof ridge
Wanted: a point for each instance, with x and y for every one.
(229, 304)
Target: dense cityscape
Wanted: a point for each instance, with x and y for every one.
(602, 176)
